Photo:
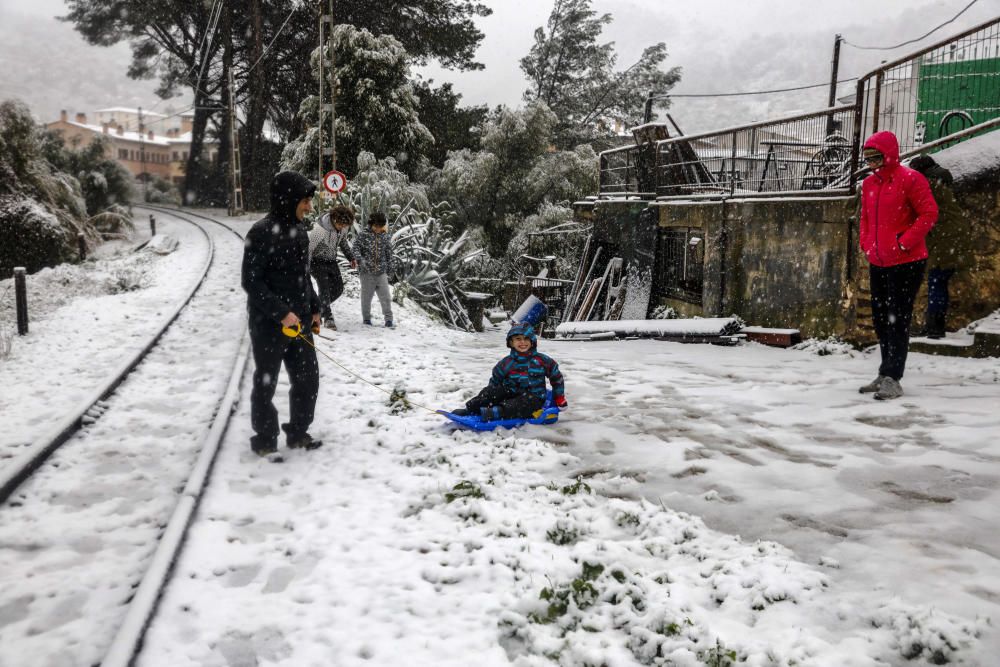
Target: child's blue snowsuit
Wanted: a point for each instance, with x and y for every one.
(517, 386)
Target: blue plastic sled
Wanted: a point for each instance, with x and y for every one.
(549, 414)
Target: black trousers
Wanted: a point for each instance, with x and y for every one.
(270, 349)
(330, 283)
(937, 290)
(513, 405)
(894, 288)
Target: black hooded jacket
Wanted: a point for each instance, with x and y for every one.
(275, 270)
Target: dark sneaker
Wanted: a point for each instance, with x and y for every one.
(388, 324)
(328, 323)
(889, 390)
(368, 322)
(873, 386)
(304, 441)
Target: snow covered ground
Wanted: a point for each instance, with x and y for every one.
(696, 505)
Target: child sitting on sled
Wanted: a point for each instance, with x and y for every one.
(517, 386)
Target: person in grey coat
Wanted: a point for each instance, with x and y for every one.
(373, 250)
(330, 233)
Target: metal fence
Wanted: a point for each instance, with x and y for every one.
(937, 91)
(804, 152)
(619, 172)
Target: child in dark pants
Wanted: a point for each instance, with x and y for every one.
(517, 386)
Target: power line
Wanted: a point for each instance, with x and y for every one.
(211, 13)
(911, 41)
(754, 92)
(276, 35)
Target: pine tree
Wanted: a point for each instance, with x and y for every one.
(376, 106)
(574, 75)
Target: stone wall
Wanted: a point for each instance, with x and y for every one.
(795, 263)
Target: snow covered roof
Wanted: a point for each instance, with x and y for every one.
(129, 110)
(127, 135)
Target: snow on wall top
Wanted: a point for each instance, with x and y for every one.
(972, 157)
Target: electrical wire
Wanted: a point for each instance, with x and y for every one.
(753, 92)
(911, 41)
(276, 35)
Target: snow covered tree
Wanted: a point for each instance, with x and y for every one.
(106, 184)
(575, 76)
(376, 106)
(452, 126)
(515, 170)
(41, 209)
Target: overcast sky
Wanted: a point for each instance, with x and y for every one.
(722, 46)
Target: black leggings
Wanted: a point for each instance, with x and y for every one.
(513, 405)
(894, 288)
(330, 283)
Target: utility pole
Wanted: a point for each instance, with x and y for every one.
(142, 156)
(327, 67)
(236, 171)
(834, 71)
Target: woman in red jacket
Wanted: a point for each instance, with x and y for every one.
(897, 211)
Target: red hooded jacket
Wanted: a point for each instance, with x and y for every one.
(897, 208)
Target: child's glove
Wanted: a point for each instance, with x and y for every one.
(561, 402)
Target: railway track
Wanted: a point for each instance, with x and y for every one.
(94, 512)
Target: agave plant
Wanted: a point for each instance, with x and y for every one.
(430, 261)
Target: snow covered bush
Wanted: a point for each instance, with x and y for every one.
(42, 210)
(161, 191)
(104, 182)
(513, 176)
(127, 279)
(825, 346)
(381, 186)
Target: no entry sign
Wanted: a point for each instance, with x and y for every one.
(334, 182)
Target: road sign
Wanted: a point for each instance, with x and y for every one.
(334, 182)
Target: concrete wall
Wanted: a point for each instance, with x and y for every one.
(774, 262)
(796, 263)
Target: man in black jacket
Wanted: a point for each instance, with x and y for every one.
(280, 294)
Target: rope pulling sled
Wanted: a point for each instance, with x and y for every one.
(549, 414)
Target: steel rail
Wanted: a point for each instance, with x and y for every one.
(26, 463)
(127, 643)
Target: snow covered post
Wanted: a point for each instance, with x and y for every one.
(81, 243)
(152, 225)
(21, 299)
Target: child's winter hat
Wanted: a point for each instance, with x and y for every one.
(523, 330)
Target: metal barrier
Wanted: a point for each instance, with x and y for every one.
(803, 152)
(942, 89)
(619, 174)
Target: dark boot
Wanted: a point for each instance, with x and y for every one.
(265, 448)
(490, 414)
(935, 325)
(304, 441)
